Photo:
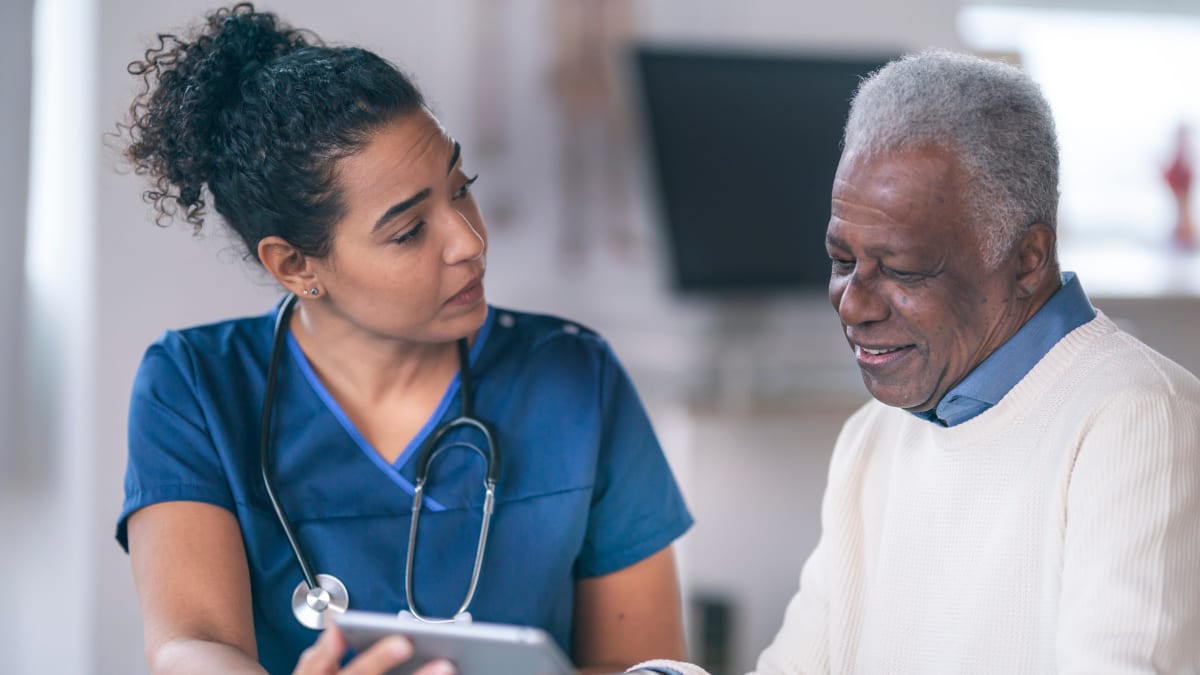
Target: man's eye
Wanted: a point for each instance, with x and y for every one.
(901, 275)
(466, 188)
(840, 265)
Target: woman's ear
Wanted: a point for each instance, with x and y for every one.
(289, 266)
(1037, 262)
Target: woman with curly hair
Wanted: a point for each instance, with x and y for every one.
(277, 462)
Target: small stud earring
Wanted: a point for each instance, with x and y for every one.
(314, 291)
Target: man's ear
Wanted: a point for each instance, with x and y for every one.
(288, 265)
(1037, 263)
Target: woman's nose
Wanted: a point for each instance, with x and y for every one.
(466, 241)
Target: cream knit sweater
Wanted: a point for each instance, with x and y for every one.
(1058, 532)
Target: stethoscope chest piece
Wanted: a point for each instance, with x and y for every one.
(310, 604)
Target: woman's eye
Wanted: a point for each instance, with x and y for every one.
(466, 188)
(410, 234)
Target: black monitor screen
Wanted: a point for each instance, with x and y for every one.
(745, 147)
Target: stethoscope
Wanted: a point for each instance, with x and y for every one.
(317, 594)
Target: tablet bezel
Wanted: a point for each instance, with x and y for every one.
(474, 648)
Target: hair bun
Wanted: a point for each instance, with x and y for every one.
(240, 41)
(189, 83)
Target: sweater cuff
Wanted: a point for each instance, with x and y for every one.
(664, 667)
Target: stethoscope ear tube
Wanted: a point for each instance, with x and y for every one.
(465, 419)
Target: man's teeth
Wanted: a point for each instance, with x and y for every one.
(877, 352)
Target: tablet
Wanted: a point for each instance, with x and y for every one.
(474, 648)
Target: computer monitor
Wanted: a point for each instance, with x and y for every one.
(744, 147)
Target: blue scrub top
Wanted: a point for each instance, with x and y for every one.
(584, 488)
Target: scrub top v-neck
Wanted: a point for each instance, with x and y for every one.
(392, 470)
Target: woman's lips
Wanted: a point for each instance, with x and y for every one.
(469, 295)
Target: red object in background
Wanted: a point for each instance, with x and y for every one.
(1179, 178)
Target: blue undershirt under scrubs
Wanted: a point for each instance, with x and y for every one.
(584, 488)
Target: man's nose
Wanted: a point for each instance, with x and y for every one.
(858, 300)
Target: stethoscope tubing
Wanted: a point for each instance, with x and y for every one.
(280, 335)
(425, 456)
(326, 592)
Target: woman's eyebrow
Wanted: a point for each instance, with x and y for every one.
(403, 206)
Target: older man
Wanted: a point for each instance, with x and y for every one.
(1023, 496)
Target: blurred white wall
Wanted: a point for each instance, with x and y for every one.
(752, 464)
(16, 52)
(16, 461)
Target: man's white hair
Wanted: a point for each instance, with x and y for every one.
(989, 115)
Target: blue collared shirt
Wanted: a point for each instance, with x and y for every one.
(982, 388)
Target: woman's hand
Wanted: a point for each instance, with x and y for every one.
(324, 657)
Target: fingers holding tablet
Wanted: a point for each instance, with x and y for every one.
(325, 656)
(475, 648)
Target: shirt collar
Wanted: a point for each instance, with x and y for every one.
(982, 388)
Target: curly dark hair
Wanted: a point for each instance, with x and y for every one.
(258, 113)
